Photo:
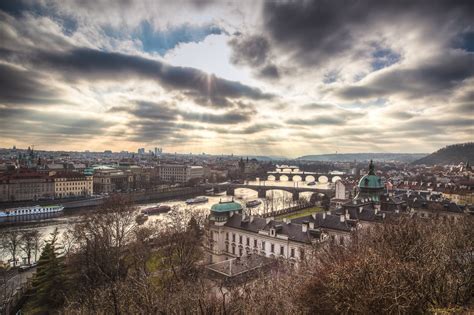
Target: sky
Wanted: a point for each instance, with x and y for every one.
(285, 78)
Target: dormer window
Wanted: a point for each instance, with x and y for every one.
(272, 232)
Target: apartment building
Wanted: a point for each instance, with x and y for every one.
(72, 184)
(27, 185)
(177, 173)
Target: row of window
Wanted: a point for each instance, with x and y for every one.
(73, 183)
(255, 244)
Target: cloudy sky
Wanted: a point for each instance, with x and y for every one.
(242, 77)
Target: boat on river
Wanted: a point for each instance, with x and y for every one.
(25, 211)
(156, 210)
(253, 203)
(200, 199)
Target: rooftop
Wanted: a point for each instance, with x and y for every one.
(226, 206)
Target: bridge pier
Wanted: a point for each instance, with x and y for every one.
(296, 195)
(262, 193)
(230, 191)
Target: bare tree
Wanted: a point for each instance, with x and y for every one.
(409, 266)
(28, 243)
(10, 241)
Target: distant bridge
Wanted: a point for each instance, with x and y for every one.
(262, 189)
(290, 172)
(306, 176)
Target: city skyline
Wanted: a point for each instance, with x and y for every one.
(252, 78)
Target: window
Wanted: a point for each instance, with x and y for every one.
(282, 250)
(272, 248)
(248, 241)
(233, 250)
(240, 251)
(227, 236)
(255, 243)
(227, 248)
(240, 239)
(292, 253)
(233, 237)
(263, 245)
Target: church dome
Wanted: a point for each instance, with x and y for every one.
(371, 181)
(226, 206)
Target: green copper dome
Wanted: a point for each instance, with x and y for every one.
(226, 206)
(371, 181)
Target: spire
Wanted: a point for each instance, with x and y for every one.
(371, 168)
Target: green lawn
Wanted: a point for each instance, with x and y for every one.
(300, 213)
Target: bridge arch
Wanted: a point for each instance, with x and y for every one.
(282, 195)
(242, 190)
(335, 179)
(309, 178)
(306, 195)
(271, 177)
(284, 178)
(323, 179)
(297, 178)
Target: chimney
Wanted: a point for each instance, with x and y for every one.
(231, 213)
(243, 216)
(360, 209)
(314, 215)
(268, 219)
(251, 218)
(285, 220)
(347, 215)
(304, 227)
(311, 225)
(342, 218)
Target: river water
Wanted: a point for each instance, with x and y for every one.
(275, 200)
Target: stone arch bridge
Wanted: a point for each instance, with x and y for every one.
(262, 190)
(305, 176)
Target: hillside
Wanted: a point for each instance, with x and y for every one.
(452, 154)
(347, 157)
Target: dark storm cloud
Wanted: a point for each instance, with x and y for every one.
(251, 50)
(90, 64)
(152, 120)
(317, 120)
(153, 111)
(23, 87)
(270, 71)
(254, 51)
(17, 121)
(227, 118)
(314, 31)
(435, 77)
(168, 112)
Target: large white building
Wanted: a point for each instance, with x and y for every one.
(177, 173)
(234, 234)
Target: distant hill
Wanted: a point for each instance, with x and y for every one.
(452, 154)
(347, 157)
(263, 157)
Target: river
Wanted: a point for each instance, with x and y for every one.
(275, 200)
